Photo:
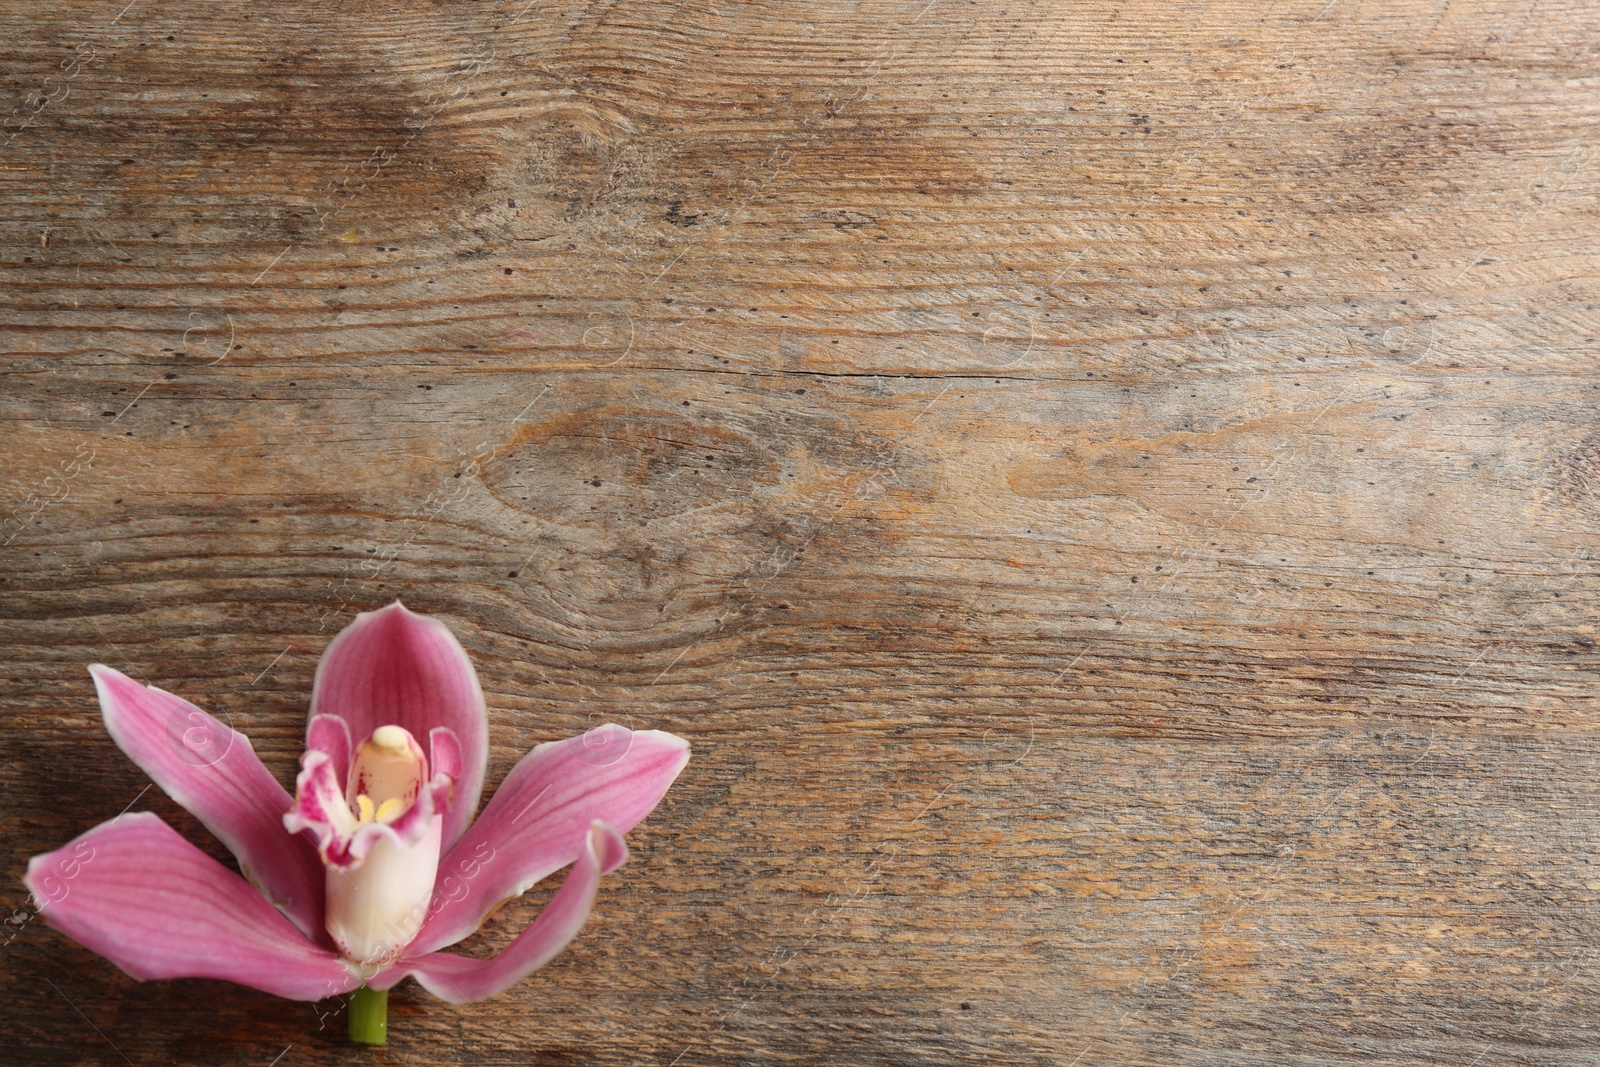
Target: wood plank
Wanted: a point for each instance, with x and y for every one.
(1109, 494)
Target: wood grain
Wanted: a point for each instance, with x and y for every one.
(1109, 492)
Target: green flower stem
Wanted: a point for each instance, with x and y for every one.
(369, 1016)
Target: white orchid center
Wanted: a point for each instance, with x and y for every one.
(375, 907)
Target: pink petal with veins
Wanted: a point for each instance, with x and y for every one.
(538, 820)
(213, 773)
(392, 666)
(137, 893)
(459, 979)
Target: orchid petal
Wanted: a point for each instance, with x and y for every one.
(459, 979)
(330, 734)
(538, 820)
(394, 667)
(140, 895)
(213, 773)
(444, 752)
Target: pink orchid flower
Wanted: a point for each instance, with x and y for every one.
(376, 863)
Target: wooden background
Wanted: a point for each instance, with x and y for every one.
(1109, 490)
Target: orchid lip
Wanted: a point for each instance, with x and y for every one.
(388, 774)
(371, 897)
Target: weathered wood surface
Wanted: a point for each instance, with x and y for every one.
(1110, 491)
